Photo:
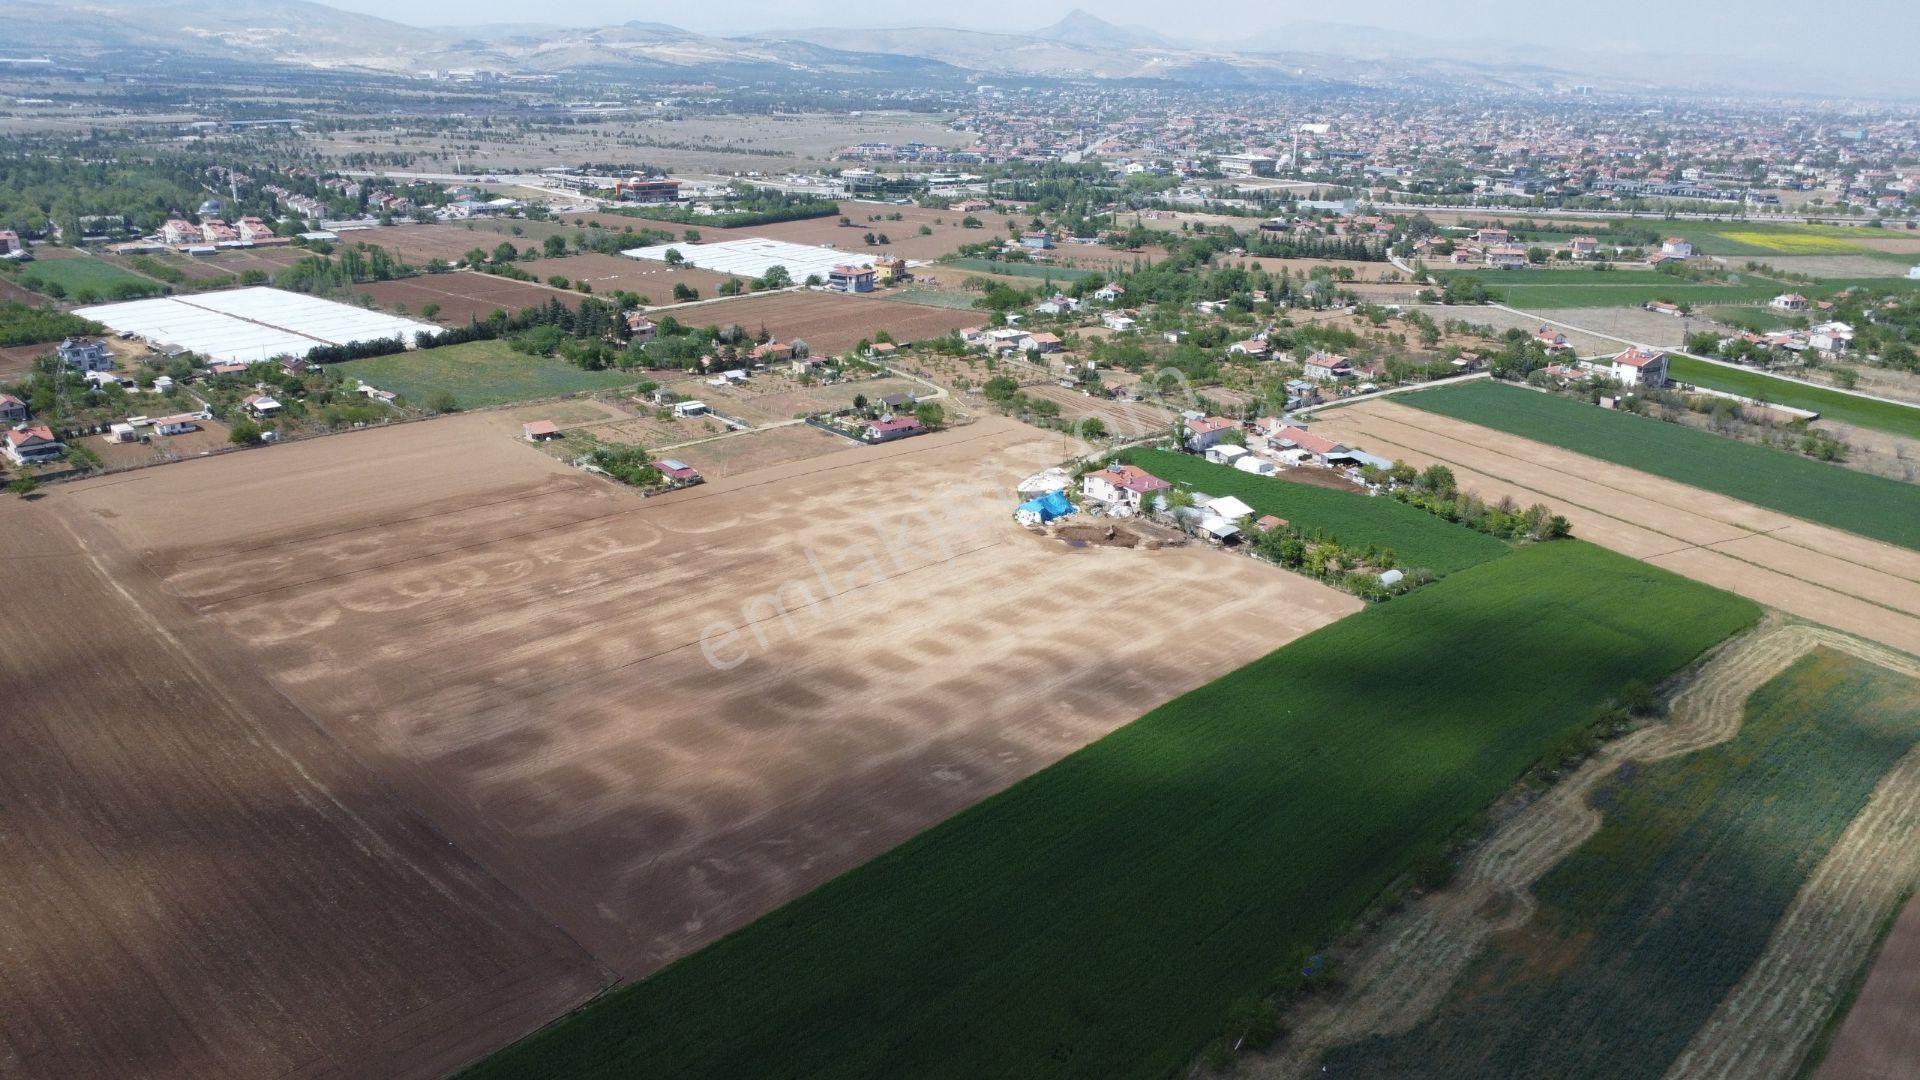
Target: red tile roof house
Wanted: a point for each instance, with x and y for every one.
(1327, 366)
(12, 409)
(30, 443)
(1293, 438)
(1121, 487)
(540, 430)
(894, 427)
(1640, 367)
(1207, 431)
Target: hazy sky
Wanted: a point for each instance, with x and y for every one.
(1724, 24)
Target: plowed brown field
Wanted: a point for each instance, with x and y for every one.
(652, 719)
(196, 881)
(829, 322)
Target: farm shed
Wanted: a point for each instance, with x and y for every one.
(540, 430)
(1225, 453)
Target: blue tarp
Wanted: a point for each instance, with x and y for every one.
(1049, 506)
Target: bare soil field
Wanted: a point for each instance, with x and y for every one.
(418, 243)
(745, 452)
(903, 236)
(605, 273)
(1124, 419)
(1879, 1039)
(1633, 324)
(606, 699)
(10, 291)
(829, 322)
(1861, 586)
(196, 881)
(461, 295)
(16, 361)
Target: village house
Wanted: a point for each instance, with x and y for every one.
(1507, 257)
(1639, 367)
(12, 409)
(1117, 321)
(805, 365)
(1206, 431)
(889, 428)
(1834, 338)
(1788, 302)
(1673, 247)
(261, 405)
(1327, 367)
(1037, 241)
(1253, 347)
(1492, 236)
(12, 248)
(1121, 488)
(1057, 304)
(1298, 445)
(771, 352)
(640, 328)
(1114, 292)
(82, 354)
(178, 424)
(253, 230)
(215, 231)
(1583, 247)
(849, 278)
(28, 444)
(1041, 343)
(890, 269)
(1661, 307)
(1552, 340)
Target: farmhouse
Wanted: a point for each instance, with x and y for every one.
(1040, 343)
(1304, 444)
(891, 428)
(1788, 302)
(1120, 488)
(1583, 247)
(1674, 247)
(640, 328)
(12, 409)
(848, 278)
(691, 408)
(772, 352)
(1327, 367)
(1205, 431)
(1639, 367)
(1118, 321)
(261, 405)
(81, 354)
(27, 444)
(540, 430)
(1552, 340)
(1111, 292)
(177, 424)
(1831, 337)
(1038, 241)
(11, 247)
(1253, 347)
(1507, 257)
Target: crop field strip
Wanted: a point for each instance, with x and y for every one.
(1127, 896)
(1854, 584)
(1355, 519)
(1892, 417)
(1870, 506)
(1698, 896)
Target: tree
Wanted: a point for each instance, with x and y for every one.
(691, 236)
(860, 402)
(869, 238)
(1093, 428)
(674, 258)
(931, 415)
(428, 311)
(554, 246)
(504, 252)
(24, 486)
(684, 292)
(1439, 480)
(244, 433)
(971, 222)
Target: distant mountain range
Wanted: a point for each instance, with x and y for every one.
(1080, 46)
